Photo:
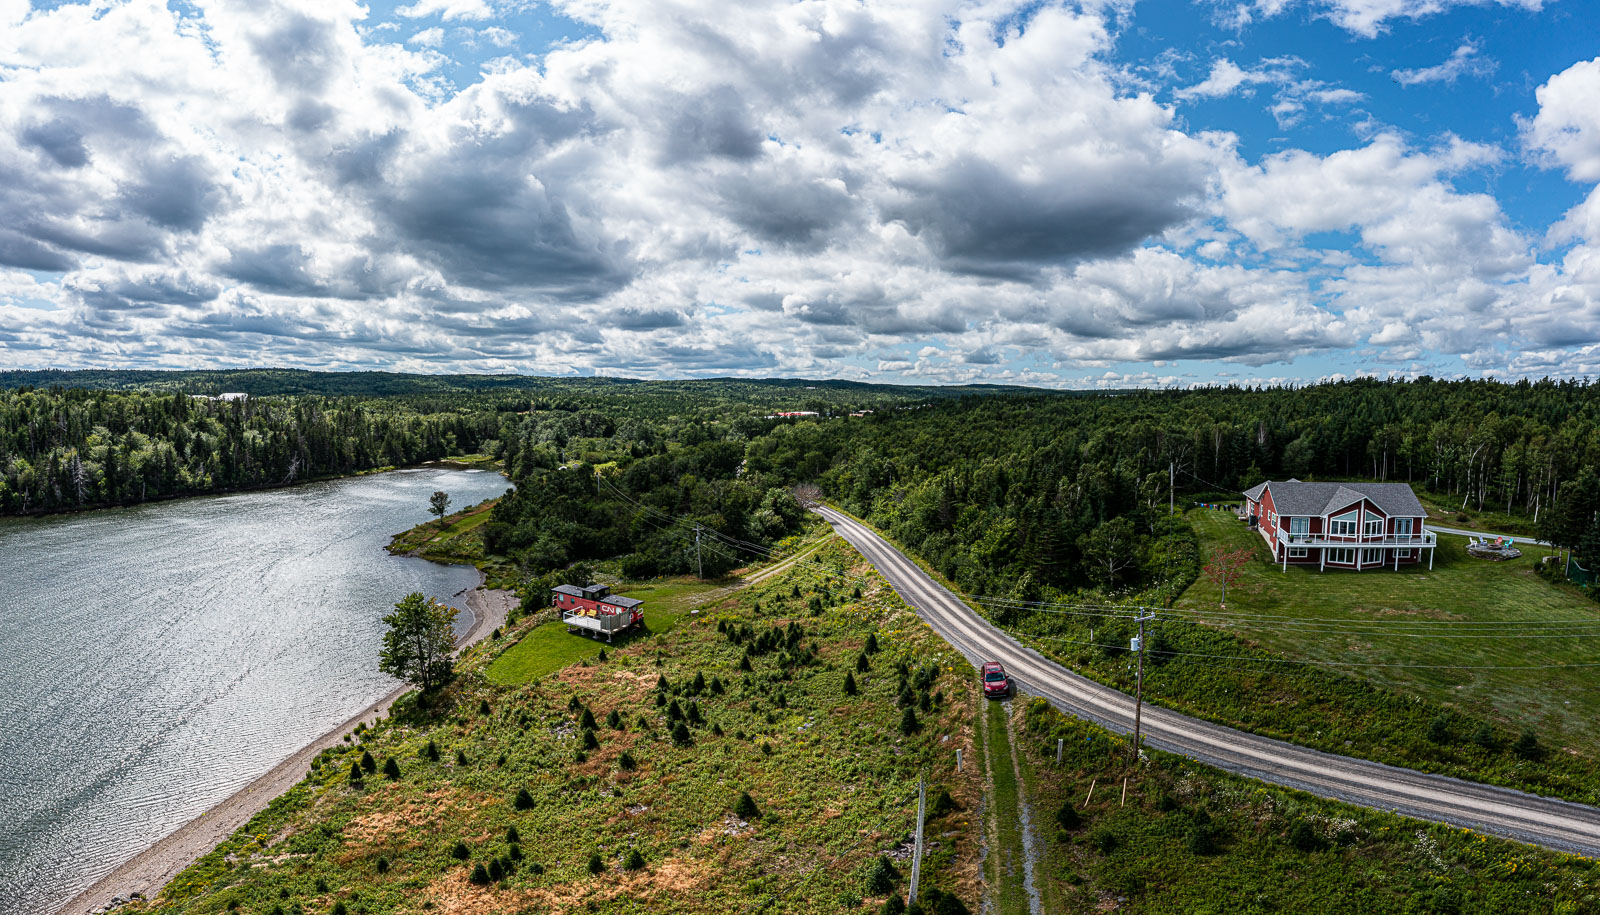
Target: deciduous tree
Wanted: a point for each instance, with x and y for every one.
(439, 504)
(419, 641)
(1227, 567)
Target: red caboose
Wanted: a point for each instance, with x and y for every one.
(595, 611)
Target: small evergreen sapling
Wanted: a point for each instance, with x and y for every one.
(587, 721)
(368, 764)
(512, 836)
(850, 684)
(908, 722)
(635, 861)
(391, 769)
(880, 879)
(595, 864)
(524, 800)
(745, 807)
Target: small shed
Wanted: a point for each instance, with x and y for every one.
(594, 611)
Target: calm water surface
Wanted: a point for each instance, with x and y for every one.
(154, 660)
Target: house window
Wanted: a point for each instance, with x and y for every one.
(1297, 552)
(1374, 556)
(1299, 530)
(1374, 526)
(1342, 557)
(1402, 529)
(1345, 527)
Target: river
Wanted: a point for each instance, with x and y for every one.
(155, 659)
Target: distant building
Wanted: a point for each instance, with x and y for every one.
(1340, 525)
(237, 395)
(791, 414)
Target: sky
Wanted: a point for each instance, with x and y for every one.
(1113, 194)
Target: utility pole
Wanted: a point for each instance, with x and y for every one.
(1172, 486)
(699, 571)
(916, 851)
(1138, 688)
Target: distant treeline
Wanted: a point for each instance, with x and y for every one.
(1035, 496)
(70, 449)
(592, 391)
(1025, 494)
(71, 440)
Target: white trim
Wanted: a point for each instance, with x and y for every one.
(1297, 552)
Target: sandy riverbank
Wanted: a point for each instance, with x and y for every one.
(147, 872)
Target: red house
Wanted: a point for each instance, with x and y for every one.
(594, 610)
(1340, 525)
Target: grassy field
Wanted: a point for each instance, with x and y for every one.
(833, 777)
(548, 647)
(1459, 589)
(1190, 839)
(1376, 690)
(458, 541)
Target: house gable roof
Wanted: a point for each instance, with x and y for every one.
(1296, 498)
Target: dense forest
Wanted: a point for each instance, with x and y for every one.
(1030, 494)
(1037, 496)
(69, 449)
(71, 440)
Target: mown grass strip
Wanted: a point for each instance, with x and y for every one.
(550, 647)
(1010, 861)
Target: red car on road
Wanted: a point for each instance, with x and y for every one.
(995, 681)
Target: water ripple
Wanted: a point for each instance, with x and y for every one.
(158, 658)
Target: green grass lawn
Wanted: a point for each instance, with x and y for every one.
(1459, 588)
(549, 647)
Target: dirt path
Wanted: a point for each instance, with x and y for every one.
(147, 872)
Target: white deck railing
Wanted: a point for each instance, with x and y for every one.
(1426, 539)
